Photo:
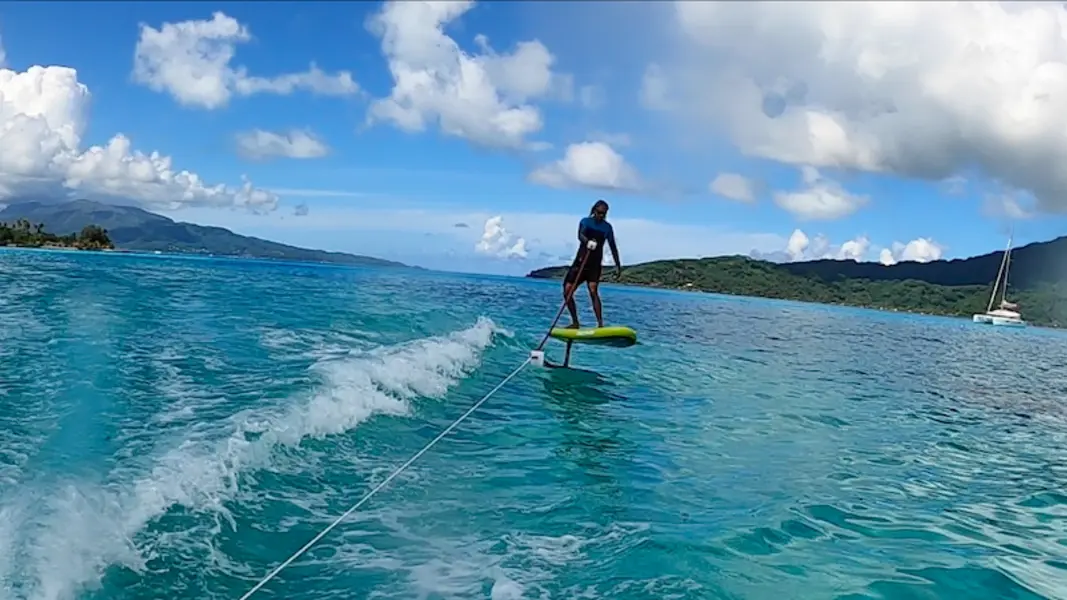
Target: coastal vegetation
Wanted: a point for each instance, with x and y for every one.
(135, 229)
(23, 233)
(953, 288)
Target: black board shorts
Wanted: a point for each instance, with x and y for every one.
(591, 272)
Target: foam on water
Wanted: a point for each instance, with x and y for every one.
(511, 567)
(59, 537)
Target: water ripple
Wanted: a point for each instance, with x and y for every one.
(173, 428)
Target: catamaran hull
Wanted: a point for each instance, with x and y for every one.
(1001, 321)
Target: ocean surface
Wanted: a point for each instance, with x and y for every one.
(175, 428)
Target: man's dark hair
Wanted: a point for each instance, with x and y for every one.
(598, 204)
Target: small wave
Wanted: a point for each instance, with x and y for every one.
(63, 542)
(382, 380)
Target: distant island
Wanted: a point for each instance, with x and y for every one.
(958, 287)
(134, 229)
(24, 234)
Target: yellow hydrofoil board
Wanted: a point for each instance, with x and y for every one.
(618, 335)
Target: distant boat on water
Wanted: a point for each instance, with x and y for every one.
(1006, 313)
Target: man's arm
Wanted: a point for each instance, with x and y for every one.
(614, 248)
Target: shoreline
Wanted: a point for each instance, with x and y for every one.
(209, 256)
(53, 248)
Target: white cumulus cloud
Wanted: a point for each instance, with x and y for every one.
(499, 242)
(588, 164)
(258, 144)
(797, 244)
(800, 247)
(733, 186)
(821, 199)
(484, 98)
(43, 115)
(190, 60)
(854, 249)
(917, 250)
(926, 90)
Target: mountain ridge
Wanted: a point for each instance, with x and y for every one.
(1032, 264)
(955, 287)
(134, 228)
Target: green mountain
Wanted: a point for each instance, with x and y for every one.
(1031, 265)
(1038, 281)
(132, 228)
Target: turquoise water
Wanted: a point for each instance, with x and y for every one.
(175, 428)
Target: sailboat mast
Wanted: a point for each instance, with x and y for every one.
(1007, 267)
(1000, 272)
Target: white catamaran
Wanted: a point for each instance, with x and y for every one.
(1006, 312)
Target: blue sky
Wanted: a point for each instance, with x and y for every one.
(662, 114)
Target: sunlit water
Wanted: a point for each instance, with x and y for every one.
(175, 428)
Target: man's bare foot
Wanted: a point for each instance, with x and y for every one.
(573, 325)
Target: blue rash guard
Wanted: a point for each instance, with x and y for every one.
(591, 229)
(601, 231)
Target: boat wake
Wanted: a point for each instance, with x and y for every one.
(61, 537)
